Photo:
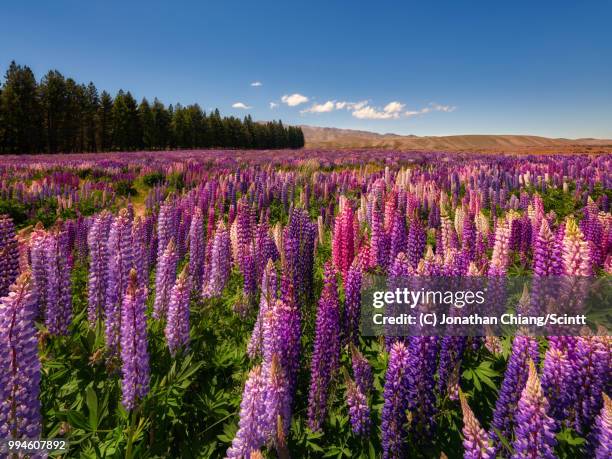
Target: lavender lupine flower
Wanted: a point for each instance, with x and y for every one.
(97, 241)
(220, 263)
(58, 314)
(165, 276)
(39, 267)
(277, 401)
(399, 236)
(251, 435)
(196, 249)
(501, 250)
(326, 351)
(523, 349)
(379, 241)
(603, 430)
(119, 265)
(352, 303)
(135, 370)
(298, 244)
(362, 371)
(269, 291)
(394, 409)
(543, 251)
(20, 416)
(9, 254)
(166, 227)
(359, 411)
(534, 432)
(475, 439)
(177, 326)
(556, 381)
(451, 355)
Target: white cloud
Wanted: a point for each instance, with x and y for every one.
(241, 105)
(273, 105)
(256, 83)
(321, 108)
(294, 99)
(432, 107)
(394, 107)
(391, 110)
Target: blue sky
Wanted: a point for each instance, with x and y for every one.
(424, 68)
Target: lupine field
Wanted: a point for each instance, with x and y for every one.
(207, 304)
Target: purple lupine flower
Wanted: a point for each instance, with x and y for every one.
(399, 236)
(379, 243)
(177, 326)
(9, 254)
(165, 276)
(298, 243)
(523, 349)
(359, 411)
(120, 263)
(543, 251)
(20, 416)
(451, 355)
(39, 267)
(475, 439)
(556, 381)
(196, 249)
(602, 438)
(58, 314)
(326, 353)
(352, 303)
(591, 370)
(166, 227)
(277, 401)
(141, 257)
(97, 241)
(423, 352)
(534, 434)
(251, 433)
(362, 370)
(416, 242)
(393, 418)
(135, 370)
(220, 263)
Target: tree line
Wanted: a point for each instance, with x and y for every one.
(58, 114)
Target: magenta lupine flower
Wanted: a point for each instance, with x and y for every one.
(196, 249)
(135, 370)
(557, 381)
(352, 303)
(359, 411)
(97, 241)
(416, 243)
(523, 349)
(177, 325)
(20, 416)
(475, 439)
(58, 314)
(576, 255)
(344, 240)
(534, 435)
(120, 263)
(9, 254)
(165, 276)
(220, 263)
(251, 435)
(603, 430)
(393, 418)
(326, 351)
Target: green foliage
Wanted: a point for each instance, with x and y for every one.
(152, 179)
(124, 188)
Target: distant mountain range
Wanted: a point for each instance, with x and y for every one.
(321, 137)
